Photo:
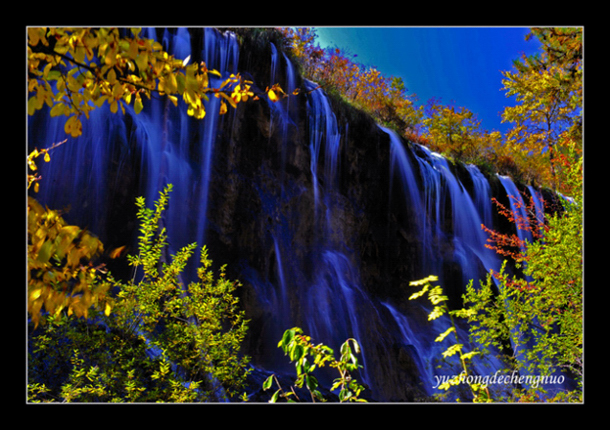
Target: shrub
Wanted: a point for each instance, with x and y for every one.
(162, 341)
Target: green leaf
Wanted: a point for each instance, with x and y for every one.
(311, 381)
(53, 75)
(275, 397)
(268, 382)
(297, 353)
(286, 339)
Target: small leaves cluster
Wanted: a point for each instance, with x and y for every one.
(202, 324)
(61, 275)
(34, 179)
(75, 70)
(511, 245)
(439, 301)
(308, 357)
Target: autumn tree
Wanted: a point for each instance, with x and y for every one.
(548, 91)
(453, 130)
(75, 70)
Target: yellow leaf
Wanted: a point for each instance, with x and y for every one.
(168, 84)
(31, 157)
(32, 105)
(58, 109)
(223, 107)
(107, 309)
(138, 106)
(34, 36)
(117, 251)
(117, 90)
(133, 49)
(443, 335)
(73, 127)
(35, 294)
(47, 157)
(272, 96)
(142, 61)
(111, 77)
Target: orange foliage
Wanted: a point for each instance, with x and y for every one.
(383, 97)
(511, 245)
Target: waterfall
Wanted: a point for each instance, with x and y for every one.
(302, 251)
(324, 140)
(438, 186)
(429, 185)
(335, 300)
(178, 149)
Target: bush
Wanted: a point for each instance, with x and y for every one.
(162, 341)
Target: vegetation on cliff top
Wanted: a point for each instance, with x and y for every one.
(546, 133)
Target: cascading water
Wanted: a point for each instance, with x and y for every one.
(335, 299)
(307, 268)
(467, 213)
(179, 149)
(282, 116)
(438, 186)
(324, 139)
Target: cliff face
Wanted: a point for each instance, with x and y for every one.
(324, 216)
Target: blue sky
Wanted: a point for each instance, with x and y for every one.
(455, 64)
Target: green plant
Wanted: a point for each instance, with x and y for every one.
(540, 314)
(535, 321)
(162, 341)
(308, 357)
(439, 300)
